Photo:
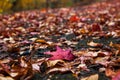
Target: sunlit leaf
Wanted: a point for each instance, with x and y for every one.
(5, 78)
(54, 62)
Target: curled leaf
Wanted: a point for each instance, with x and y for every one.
(54, 62)
(94, 44)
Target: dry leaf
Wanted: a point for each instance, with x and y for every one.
(96, 27)
(6, 78)
(40, 41)
(58, 69)
(54, 62)
(94, 44)
(102, 60)
(109, 72)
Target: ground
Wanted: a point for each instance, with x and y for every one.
(75, 43)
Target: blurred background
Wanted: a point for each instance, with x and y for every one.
(7, 6)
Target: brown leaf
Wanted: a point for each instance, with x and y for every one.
(102, 60)
(109, 72)
(40, 41)
(58, 69)
(19, 69)
(117, 46)
(36, 64)
(96, 27)
(94, 44)
(54, 62)
(5, 78)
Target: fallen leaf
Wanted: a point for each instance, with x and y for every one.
(117, 46)
(5, 78)
(54, 62)
(40, 41)
(74, 18)
(58, 69)
(18, 69)
(96, 27)
(61, 54)
(94, 44)
(109, 72)
(36, 64)
(102, 60)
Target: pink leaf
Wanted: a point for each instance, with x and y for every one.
(60, 54)
(117, 76)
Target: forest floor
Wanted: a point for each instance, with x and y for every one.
(78, 43)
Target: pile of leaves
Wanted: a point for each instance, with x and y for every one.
(83, 41)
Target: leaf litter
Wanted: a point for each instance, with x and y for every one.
(83, 41)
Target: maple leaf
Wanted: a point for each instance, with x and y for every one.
(74, 18)
(60, 54)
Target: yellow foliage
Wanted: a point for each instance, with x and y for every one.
(66, 3)
(25, 4)
(30, 4)
(5, 5)
(1, 10)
